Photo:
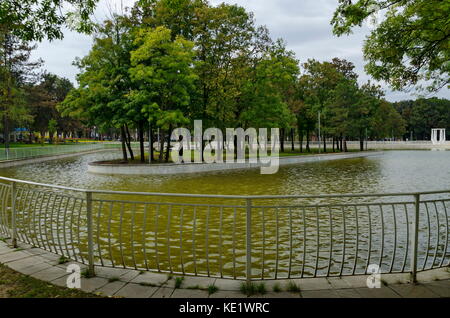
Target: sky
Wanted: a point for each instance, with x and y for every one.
(303, 24)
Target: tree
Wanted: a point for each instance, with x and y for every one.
(423, 114)
(410, 45)
(162, 69)
(42, 99)
(34, 20)
(103, 96)
(317, 83)
(16, 71)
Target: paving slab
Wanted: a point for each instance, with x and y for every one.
(110, 288)
(109, 272)
(202, 282)
(131, 290)
(91, 284)
(19, 264)
(325, 293)
(13, 256)
(35, 251)
(356, 281)
(5, 250)
(282, 283)
(51, 258)
(432, 275)
(34, 268)
(383, 292)
(163, 292)
(62, 281)
(129, 275)
(228, 284)
(312, 283)
(150, 279)
(189, 293)
(413, 291)
(50, 274)
(441, 288)
(391, 279)
(348, 293)
(339, 283)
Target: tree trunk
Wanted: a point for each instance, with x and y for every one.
(150, 140)
(282, 140)
(300, 138)
(141, 141)
(345, 144)
(308, 149)
(161, 144)
(128, 139)
(333, 143)
(341, 143)
(168, 144)
(324, 143)
(124, 149)
(292, 139)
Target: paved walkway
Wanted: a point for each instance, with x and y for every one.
(116, 282)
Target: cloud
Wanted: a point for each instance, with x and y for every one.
(303, 24)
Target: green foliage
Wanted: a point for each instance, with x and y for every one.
(212, 289)
(34, 20)
(411, 43)
(161, 67)
(293, 287)
(178, 282)
(423, 114)
(63, 260)
(276, 288)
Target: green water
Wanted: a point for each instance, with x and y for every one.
(142, 232)
(395, 171)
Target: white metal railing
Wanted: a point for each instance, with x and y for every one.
(237, 237)
(33, 152)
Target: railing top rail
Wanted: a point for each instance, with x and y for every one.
(217, 196)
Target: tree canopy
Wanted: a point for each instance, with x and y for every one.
(410, 45)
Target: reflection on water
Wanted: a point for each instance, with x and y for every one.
(395, 171)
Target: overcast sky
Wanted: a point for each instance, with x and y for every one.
(303, 24)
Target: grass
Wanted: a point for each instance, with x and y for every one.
(292, 287)
(277, 288)
(250, 289)
(16, 285)
(113, 279)
(287, 153)
(178, 282)
(63, 260)
(212, 289)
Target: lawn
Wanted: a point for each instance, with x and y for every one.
(17, 285)
(287, 153)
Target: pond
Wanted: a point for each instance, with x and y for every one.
(395, 171)
(290, 238)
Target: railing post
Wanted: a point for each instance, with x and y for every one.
(249, 242)
(415, 237)
(13, 215)
(91, 270)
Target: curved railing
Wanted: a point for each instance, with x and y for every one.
(237, 237)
